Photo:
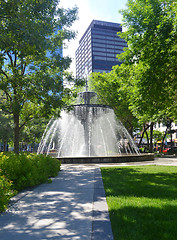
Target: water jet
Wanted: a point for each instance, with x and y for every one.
(89, 133)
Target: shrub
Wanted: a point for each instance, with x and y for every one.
(18, 172)
(27, 170)
(6, 192)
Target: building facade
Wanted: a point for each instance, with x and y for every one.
(98, 48)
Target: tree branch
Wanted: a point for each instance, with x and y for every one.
(29, 119)
(145, 128)
(4, 73)
(23, 69)
(15, 60)
(7, 111)
(10, 57)
(7, 95)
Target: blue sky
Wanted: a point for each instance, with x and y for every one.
(105, 10)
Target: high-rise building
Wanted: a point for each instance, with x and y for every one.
(98, 48)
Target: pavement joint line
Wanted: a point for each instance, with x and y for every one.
(101, 225)
(93, 208)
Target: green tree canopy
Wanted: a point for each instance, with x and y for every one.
(151, 34)
(32, 33)
(146, 81)
(108, 87)
(6, 133)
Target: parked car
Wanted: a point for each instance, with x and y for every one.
(166, 150)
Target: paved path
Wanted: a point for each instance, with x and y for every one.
(168, 161)
(72, 207)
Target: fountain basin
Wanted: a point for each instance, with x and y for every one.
(88, 130)
(122, 158)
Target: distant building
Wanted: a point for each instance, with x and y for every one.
(98, 48)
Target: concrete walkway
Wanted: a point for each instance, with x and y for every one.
(166, 161)
(72, 207)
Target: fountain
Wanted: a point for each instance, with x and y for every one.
(88, 133)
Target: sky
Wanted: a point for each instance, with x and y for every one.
(88, 10)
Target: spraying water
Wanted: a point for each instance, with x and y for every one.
(87, 130)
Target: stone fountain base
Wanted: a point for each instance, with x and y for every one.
(108, 159)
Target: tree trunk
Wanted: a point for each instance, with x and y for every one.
(151, 137)
(162, 145)
(147, 139)
(4, 146)
(144, 130)
(16, 133)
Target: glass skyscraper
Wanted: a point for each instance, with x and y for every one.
(98, 48)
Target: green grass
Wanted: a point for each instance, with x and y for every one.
(142, 202)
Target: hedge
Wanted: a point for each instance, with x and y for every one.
(18, 172)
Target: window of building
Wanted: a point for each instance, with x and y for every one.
(99, 45)
(99, 58)
(100, 48)
(99, 53)
(110, 55)
(110, 59)
(96, 40)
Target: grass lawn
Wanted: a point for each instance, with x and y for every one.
(142, 202)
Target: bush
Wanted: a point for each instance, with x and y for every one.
(6, 192)
(25, 170)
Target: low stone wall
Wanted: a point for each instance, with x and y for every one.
(108, 159)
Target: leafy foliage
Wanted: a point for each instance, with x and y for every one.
(144, 86)
(108, 87)
(6, 191)
(152, 39)
(6, 132)
(27, 170)
(31, 65)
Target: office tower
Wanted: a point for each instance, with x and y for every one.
(98, 48)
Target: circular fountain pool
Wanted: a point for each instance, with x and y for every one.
(89, 133)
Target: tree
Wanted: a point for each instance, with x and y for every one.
(32, 33)
(152, 38)
(32, 132)
(151, 56)
(108, 87)
(5, 129)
